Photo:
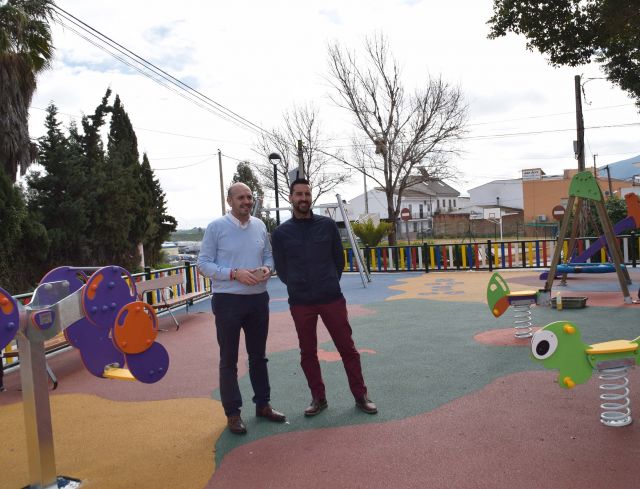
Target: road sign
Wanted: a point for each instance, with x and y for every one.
(558, 212)
(405, 214)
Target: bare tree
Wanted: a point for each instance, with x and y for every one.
(404, 132)
(320, 168)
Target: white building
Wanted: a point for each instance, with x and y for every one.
(422, 200)
(506, 193)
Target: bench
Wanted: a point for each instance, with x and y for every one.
(168, 299)
(56, 343)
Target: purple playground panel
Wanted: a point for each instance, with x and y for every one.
(96, 348)
(73, 276)
(150, 365)
(106, 293)
(9, 318)
(116, 330)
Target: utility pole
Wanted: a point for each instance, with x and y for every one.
(595, 170)
(221, 182)
(275, 186)
(579, 125)
(609, 179)
(366, 197)
(579, 151)
(300, 160)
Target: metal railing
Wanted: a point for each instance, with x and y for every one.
(485, 255)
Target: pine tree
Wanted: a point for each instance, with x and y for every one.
(58, 196)
(245, 174)
(160, 224)
(23, 241)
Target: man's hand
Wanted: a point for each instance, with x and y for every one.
(246, 277)
(262, 274)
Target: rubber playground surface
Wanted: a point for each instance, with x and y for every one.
(461, 403)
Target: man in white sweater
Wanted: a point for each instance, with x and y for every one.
(236, 255)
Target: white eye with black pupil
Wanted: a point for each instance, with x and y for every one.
(544, 344)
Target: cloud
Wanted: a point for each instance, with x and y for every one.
(332, 15)
(106, 64)
(157, 33)
(411, 3)
(503, 101)
(168, 46)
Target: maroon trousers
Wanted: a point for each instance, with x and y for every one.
(334, 317)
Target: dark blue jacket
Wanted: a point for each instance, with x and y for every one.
(309, 259)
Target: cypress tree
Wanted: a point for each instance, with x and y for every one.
(117, 195)
(92, 150)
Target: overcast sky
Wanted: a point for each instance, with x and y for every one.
(260, 58)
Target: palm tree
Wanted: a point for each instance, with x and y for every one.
(26, 49)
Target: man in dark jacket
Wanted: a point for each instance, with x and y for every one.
(309, 259)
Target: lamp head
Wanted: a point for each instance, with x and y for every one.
(273, 157)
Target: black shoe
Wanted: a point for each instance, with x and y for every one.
(271, 414)
(315, 407)
(235, 425)
(365, 405)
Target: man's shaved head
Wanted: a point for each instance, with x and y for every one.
(235, 187)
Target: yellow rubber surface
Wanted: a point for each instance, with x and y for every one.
(111, 445)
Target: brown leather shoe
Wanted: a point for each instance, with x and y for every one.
(365, 405)
(270, 413)
(235, 425)
(315, 407)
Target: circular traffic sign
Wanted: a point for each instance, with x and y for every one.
(405, 214)
(558, 212)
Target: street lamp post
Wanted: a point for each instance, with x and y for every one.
(274, 159)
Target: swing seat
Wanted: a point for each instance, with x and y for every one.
(586, 268)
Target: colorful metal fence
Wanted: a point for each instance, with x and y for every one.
(487, 255)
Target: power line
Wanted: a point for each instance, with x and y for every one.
(155, 158)
(148, 75)
(186, 166)
(191, 136)
(231, 157)
(539, 116)
(222, 111)
(511, 134)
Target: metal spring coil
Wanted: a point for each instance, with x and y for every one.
(522, 320)
(615, 409)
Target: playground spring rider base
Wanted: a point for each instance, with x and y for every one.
(499, 298)
(558, 346)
